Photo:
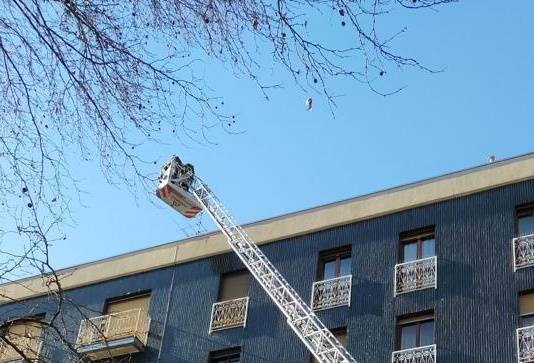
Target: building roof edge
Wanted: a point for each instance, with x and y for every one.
(372, 205)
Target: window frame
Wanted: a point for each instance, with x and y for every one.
(243, 271)
(520, 316)
(522, 211)
(414, 320)
(416, 237)
(524, 317)
(27, 321)
(116, 299)
(219, 355)
(342, 330)
(336, 254)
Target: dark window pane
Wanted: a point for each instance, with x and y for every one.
(329, 270)
(221, 357)
(344, 268)
(408, 337)
(426, 333)
(409, 252)
(342, 337)
(525, 225)
(234, 285)
(525, 321)
(427, 248)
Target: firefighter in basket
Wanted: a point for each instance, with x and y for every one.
(175, 187)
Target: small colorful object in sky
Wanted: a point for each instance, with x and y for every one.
(309, 104)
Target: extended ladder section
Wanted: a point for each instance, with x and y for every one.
(313, 333)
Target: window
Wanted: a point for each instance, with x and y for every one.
(25, 334)
(334, 263)
(341, 335)
(231, 309)
(123, 304)
(417, 331)
(525, 221)
(29, 328)
(225, 356)
(417, 245)
(234, 285)
(124, 327)
(526, 309)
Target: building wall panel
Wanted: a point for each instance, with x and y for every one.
(475, 304)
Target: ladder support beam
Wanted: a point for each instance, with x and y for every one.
(311, 331)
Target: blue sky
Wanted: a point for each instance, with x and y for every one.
(289, 159)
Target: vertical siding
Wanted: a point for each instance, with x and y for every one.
(475, 304)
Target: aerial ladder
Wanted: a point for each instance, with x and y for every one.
(180, 188)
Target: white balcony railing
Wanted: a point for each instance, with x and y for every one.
(29, 346)
(133, 323)
(426, 354)
(331, 293)
(416, 275)
(525, 344)
(229, 314)
(523, 249)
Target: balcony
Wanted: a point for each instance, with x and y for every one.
(229, 314)
(113, 335)
(331, 293)
(426, 354)
(525, 344)
(523, 248)
(416, 275)
(29, 346)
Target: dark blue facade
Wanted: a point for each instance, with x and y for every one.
(475, 304)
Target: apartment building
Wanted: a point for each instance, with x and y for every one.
(440, 270)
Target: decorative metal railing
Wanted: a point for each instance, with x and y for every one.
(426, 354)
(523, 249)
(29, 346)
(105, 328)
(525, 344)
(327, 294)
(416, 275)
(229, 314)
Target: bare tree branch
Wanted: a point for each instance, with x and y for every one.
(93, 80)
